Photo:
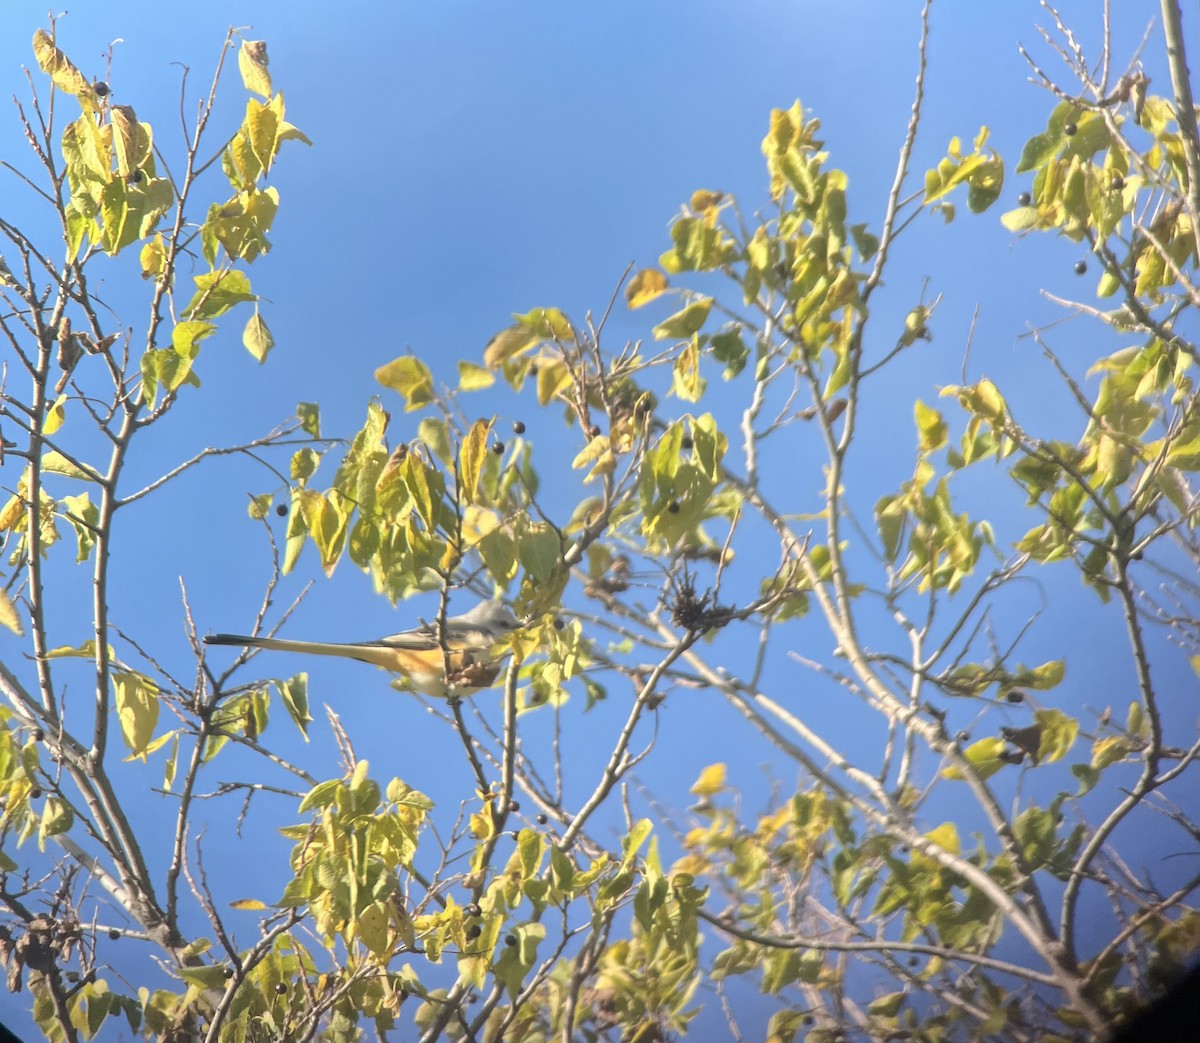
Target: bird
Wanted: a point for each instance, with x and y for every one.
(463, 661)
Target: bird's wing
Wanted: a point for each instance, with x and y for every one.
(422, 639)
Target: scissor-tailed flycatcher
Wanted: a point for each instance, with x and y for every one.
(464, 661)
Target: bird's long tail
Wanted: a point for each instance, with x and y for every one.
(363, 653)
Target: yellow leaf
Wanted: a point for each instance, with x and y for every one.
(137, 710)
(597, 452)
(945, 837)
(931, 426)
(252, 64)
(645, 287)
(471, 457)
(248, 903)
(553, 376)
(154, 258)
(507, 343)
(687, 382)
(372, 928)
(8, 614)
(56, 415)
(261, 127)
(711, 781)
(703, 199)
(411, 378)
(478, 522)
(59, 68)
(257, 337)
(131, 140)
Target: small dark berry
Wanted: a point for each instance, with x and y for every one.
(560, 623)
(472, 909)
(1024, 199)
(1069, 129)
(474, 931)
(685, 443)
(280, 988)
(38, 735)
(510, 939)
(904, 849)
(963, 737)
(35, 793)
(113, 933)
(542, 820)
(809, 1019)
(914, 960)
(135, 177)
(498, 448)
(1015, 697)
(518, 427)
(1117, 183)
(1081, 267)
(514, 806)
(229, 973)
(281, 510)
(101, 89)
(593, 431)
(533, 370)
(673, 507)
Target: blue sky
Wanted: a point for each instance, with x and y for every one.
(477, 159)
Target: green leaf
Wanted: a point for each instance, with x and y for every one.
(632, 843)
(887, 1006)
(1035, 830)
(410, 377)
(867, 243)
(84, 517)
(547, 324)
(217, 292)
(294, 693)
(186, 337)
(538, 550)
(474, 378)
(55, 463)
(309, 415)
(433, 433)
(729, 348)
(1087, 776)
(684, 323)
(1038, 151)
(517, 960)
(322, 795)
(983, 756)
(1021, 219)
